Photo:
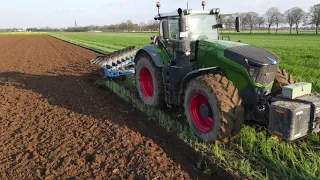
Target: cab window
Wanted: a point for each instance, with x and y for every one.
(173, 28)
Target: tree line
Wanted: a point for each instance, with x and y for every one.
(272, 18)
(293, 18)
(127, 26)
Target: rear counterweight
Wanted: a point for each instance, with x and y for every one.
(289, 119)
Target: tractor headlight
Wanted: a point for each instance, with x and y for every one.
(188, 11)
(253, 71)
(215, 11)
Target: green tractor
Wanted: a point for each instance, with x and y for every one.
(219, 83)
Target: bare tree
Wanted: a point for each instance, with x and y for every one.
(153, 25)
(314, 16)
(289, 18)
(244, 21)
(278, 19)
(270, 16)
(229, 22)
(123, 26)
(129, 25)
(142, 26)
(252, 18)
(222, 20)
(297, 15)
(260, 22)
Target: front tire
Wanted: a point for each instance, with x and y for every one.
(281, 79)
(224, 116)
(149, 81)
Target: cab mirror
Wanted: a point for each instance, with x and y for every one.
(237, 24)
(165, 29)
(216, 26)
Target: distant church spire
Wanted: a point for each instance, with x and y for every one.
(75, 24)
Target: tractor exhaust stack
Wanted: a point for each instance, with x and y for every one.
(182, 25)
(182, 46)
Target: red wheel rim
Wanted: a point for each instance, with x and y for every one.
(146, 84)
(204, 124)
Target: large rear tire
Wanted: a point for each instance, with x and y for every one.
(149, 81)
(213, 108)
(281, 79)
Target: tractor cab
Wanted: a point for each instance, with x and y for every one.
(200, 25)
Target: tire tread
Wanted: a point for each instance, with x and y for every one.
(232, 112)
(281, 79)
(160, 100)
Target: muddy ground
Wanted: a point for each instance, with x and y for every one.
(54, 124)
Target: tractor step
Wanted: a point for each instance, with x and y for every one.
(117, 63)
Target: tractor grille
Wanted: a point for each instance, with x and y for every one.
(265, 75)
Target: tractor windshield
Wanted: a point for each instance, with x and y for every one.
(199, 27)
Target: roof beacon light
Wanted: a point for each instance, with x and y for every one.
(203, 4)
(158, 4)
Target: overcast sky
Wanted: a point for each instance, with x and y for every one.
(63, 13)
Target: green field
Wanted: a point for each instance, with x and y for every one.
(253, 154)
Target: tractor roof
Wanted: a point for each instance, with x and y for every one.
(175, 13)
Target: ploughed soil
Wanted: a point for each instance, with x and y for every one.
(54, 124)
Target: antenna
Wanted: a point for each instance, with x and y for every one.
(187, 5)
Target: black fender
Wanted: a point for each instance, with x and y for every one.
(194, 74)
(149, 49)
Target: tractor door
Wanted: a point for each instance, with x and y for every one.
(173, 29)
(173, 34)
